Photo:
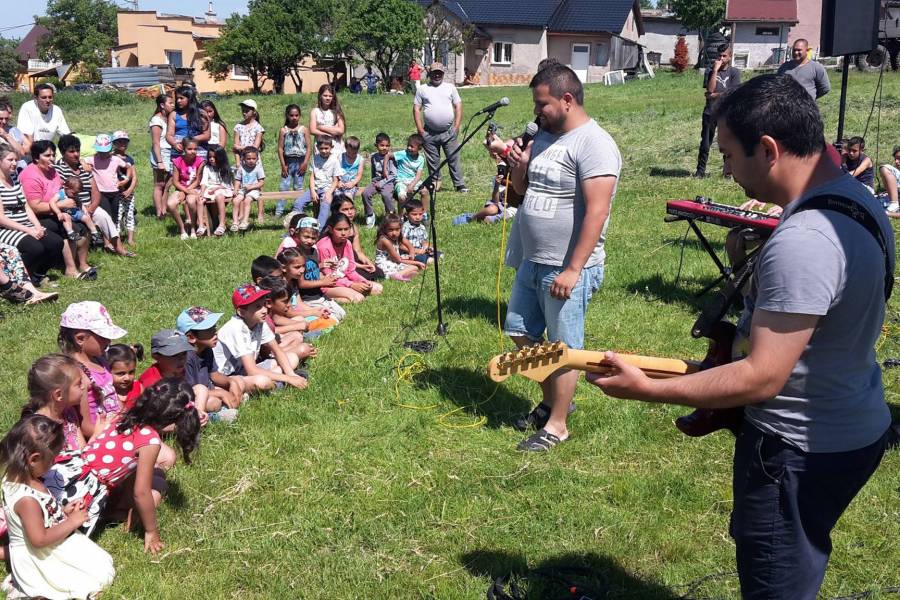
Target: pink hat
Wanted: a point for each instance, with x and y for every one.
(93, 317)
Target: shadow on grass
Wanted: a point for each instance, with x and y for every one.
(656, 287)
(477, 307)
(593, 575)
(476, 394)
(668, 172)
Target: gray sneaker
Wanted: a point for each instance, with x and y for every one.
(224, 415)
(370, 222)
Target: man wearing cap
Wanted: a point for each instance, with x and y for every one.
(40, 119)
(437, 111)
(808, 73)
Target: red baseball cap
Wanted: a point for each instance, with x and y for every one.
(247, 293)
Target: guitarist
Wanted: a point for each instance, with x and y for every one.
(815, 420)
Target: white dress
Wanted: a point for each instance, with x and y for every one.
(74, 568)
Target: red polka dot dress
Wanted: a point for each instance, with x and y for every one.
(113, 455)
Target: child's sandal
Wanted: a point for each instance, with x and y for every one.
(201, 230)
(220, 231)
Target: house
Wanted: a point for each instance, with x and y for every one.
(147, 38)
(809, 24)
(759, 31)
(506, 39)
(33, 68)
(661, 31)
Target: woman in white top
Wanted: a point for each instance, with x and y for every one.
(160, 152)
(218, 131)
(327, 118)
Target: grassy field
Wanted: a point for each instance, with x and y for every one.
(395, 476)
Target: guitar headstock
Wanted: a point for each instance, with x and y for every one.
(534, 362)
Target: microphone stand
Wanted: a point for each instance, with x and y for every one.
(430, 184)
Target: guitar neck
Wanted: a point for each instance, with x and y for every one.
(652, 366)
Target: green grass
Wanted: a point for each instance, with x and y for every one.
(366, 486)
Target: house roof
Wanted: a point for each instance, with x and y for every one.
(776, 11)
(27, 48)
(556, 15)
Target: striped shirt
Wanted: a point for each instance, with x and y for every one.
(13, 200)
(65, 171)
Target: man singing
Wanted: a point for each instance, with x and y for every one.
(568, 175)
(815, 422)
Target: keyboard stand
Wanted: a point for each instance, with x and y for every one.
(724, 272)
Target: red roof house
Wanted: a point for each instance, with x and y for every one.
(759, 31)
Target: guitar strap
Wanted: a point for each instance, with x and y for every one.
(729, 292)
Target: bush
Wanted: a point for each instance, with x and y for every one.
(54, 81)
(680, 60)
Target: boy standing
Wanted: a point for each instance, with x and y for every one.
(384, 173)
(326, 173)
(410, 166)
(351, 169)
(224, 394)
(244, 335)
(248, 184)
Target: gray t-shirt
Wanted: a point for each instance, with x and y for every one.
(551, 214)
(437, 105)
(811, 76)
(820, 262)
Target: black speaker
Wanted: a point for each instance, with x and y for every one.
(849, 26)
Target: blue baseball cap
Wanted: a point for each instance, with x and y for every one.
(196, 317)
(102, 143)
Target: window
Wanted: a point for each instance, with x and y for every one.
(602, 55)
(173, 58)
(502, 53)
(239, 73)
(768, 31)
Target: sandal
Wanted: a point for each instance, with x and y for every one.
(235, 226)
(129, 254)
(220, 231)
(201, 231)
(88, 275)
(541, 441)
(184, 235)
(537, 418)
(244, 225)
(48, 297)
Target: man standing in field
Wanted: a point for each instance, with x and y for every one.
(568, 175)
(720, 78)
(815, 423)
(808, 73)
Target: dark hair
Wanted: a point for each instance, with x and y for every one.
(263, 266)
(72, 181)
(325, 139)
(413, 204)
(34, 433)
(5, 103)
(248, 150)
(189, 140)
(417, 139)
(560, 79)
(162, 404)
(896, 150)
(288, 109)
(857, 141)
(223, 167)
(48, 373)
(382, 137)
(192, 113)
(773, 105)
(66, 340)
(334, 220)
(338, 202)
(352, 142)
(216, 118)
(289, 255)
(41, 146)
(547, 62)
(277, 286)
(67, 142)
(124, 353)
(721, 48)
(41, 87)
(251, 109)
(388, 221)
(335, 104)
(160, 100)
(294, 223)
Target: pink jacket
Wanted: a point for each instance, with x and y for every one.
(346, 268)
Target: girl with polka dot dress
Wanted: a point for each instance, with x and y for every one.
(124, 454)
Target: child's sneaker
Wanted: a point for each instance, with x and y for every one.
(96, 239)
(73, 236)
(370, 222)
(224, 415)
(463, 219)
(279, 208)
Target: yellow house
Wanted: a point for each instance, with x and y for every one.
(148, 38)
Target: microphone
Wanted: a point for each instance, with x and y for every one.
(493, 107)
(531, 130)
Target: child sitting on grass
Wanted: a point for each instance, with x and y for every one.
(858, 164)
(415, 233)
(384, 174)
(265, 267)
(392, 252)
(289, 317)
(364, 265)
(303, 277)
(351, 170)
(496, 208)
(410, 165)
(241, 339)
(890, 178)
(225, 394)
(48, 557)
(336, 258)
(123, 360)
(248, 183)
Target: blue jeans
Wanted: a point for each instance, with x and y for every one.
(324, 207)
(293, 181)
(532, 309)
(786, 502)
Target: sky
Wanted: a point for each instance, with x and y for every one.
(22, 13)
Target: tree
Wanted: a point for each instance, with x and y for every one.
(81, 32)
(680, 60)
(647, 4)
(381, 31)
(701, 15)
(9, 61)
(444, 33)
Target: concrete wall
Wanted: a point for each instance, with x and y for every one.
(660, 35)
(529, 47)
(809, 26)
(760, 48)
(559, 46)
